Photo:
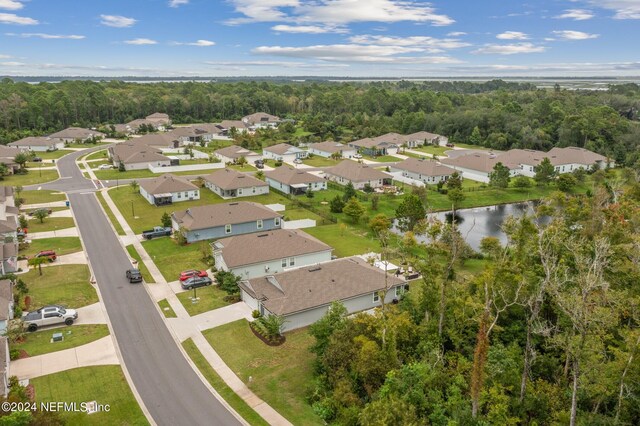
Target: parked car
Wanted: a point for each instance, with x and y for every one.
(105, 166)
(185, 275)
(157, 231)
(49, 315)
(134, 275)
(195, 282)
(50, 254)
(297, 161)
(33, 212)
(36, 160)
(260, 165)
(358, 156)
(449, 145)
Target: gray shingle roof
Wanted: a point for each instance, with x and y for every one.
(167, 183)
(291, 176)
(282, 148)
(330, 146)
(424, 167)
(356, 172)
(35, 141)
(76, 133)
(213, 215)
(234, 151)
(231, 179)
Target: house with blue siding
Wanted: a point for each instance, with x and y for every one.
(267, 253)
(224, 220)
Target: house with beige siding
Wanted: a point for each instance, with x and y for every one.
(72, 134)
(229, 183)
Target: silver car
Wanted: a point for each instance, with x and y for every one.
(49, 315)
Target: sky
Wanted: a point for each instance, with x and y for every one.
(351, 38)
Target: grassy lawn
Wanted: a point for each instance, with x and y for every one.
(318, 161)
(85, 145)
(431, 149)
(42, 196)
(50, 224)
(245, 168)
(146, 276)
(33, 177)
(113, 174)
(280, 374)
(62, 246)
(66, 285)
(53, 155)
(468, 146)
(110, 214)
(237, 403)
(39, 343)
(349, 242)
(101, 154)
(382, 158)
(104, 384)
(166, 309)
(172, 258)
(96, 164)
(211, 298)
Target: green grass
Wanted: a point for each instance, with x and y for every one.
(237, 403)
(431, 149)
(300, 132)
(85, 145)
(382, 158)
(114, 174)
(62, 246)
(96, 164)
(66, 285)
(101, 154)
(280, 374)
(171, 258)
(166, 309)
(110, 214)
(146, 275)
(42, 196)
(318, 161)
(245, 168)
(39, 343)
(53, 155)
(104, 384)
(468, 146)
(211, 297)
(34, 176)
(349, 242)
(50, 224)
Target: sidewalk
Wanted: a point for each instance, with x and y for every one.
(43, 205)
(100, 352)
(185, 326)
(67, 232)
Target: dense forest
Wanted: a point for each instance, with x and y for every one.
(495, 114)
(546, 334)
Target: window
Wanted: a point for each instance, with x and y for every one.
(239, 191)
(259, 224)
(276, 222)
(254, 189)
(376, 297)
(292, 261)
(227, 229)
(179, 194)
(284, 262)
(50, 314)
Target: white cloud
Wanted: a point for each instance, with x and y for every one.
(428, 43)
(456, 34)
(574, 35)
(47, 36)
(510, 49)
(198, 43)
(12, 18)
(337, 12)
(512, 35)
(10, 5)
(285, 64)
(141, 41)
(5, 56)
(624, 9)
(177, 3)
(117, 21)
(12, 64)
(308, 29)
(576, 14)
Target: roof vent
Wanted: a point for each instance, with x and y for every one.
(317, 268)
(263, 235)
(233, 204)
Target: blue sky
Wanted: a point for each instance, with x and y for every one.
(320, 37)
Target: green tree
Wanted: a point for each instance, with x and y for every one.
(409, 213)
(134, 186)
(273, 325)
(521, 182)
(379, 223)
(349, 192)
(475, 138)
(21, 159)
(241, 161)
(323, 329)
(454, 181)
(4, 170)
(260, 175)
(228, 282)
(165, 220)
(353, 209)
(336, 205)
(23, 222)
(566, 182)
(37, 262)
(545, 172)
(41, 214)
(455, 196)
(500, 176)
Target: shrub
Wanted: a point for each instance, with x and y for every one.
(14, 354)
(255, 313)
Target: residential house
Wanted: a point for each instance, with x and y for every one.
(261, 120)
(134, 126)
(4, 365)
(73, 134)
(239, 126)
(328, 148)
(6, 306)
(197, 134)
(569, 159)
(294, 181)
(38, 143)
(7, 156)
(168, 189)
(418, 139)
(382, 145)
(359, 174)
(478, 165)
(283, 152)
(303, 295)
(137, 156)
(160, 120)
(158, 140)
(229, 183)
(427, 171)
(224, 220)
(267, 253)
(232, 153)
(9, 257)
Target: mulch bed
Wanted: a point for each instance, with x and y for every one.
(270, 342)
(23, 354)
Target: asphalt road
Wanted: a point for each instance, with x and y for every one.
(172, 392)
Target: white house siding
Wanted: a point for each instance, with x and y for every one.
(240, 192)
(473, 174)
(346, 152)
(275, 266)
(39, 148)
(146, 164)
(431, 180)
(282, 187)
(250, 301)
(175, 196)
(357, 185)
(250, 158)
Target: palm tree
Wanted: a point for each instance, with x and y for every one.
(41, 214)
(134, 185)
(38, 261)
(21, 159)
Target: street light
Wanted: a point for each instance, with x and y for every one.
(133, 214)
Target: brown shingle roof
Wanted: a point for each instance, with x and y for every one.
(310, 287)
(356, 172)
(248, 249)
(6, 297)
(231, 179)
(572, 154)
(329, 146)
(234, 151)
(374, 143)
(167, 183)
(214, 215)
(34, 141)
(130, 153)
(260, 117)
(282, 148)
(291, 176)
(424, 167)
(76, 133)
(476, 161)
(238, 124)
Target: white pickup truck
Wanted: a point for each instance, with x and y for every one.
(49, 315)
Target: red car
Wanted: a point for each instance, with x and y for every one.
(49, 254)
(185, 275)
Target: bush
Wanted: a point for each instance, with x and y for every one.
(255, 313)
(14, 354)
